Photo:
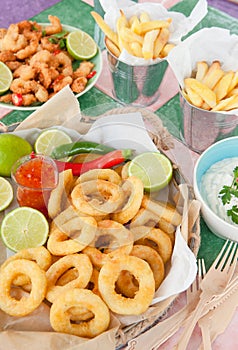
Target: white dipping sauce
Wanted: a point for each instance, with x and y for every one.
(218, 175)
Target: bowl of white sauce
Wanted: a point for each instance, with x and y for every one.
(216, 187)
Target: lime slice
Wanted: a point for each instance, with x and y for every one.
(81, 45)
(6, 193)
(5, 78)
(50, 139)
(24, 228)
(153, 168)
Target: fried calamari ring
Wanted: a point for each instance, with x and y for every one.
(133, 191)
(111, 240)
(40, 255)
(60, 315)
(145, 217)
(25, 305)
(97, 197)
(127, 284)
(71, 237)
(163, 210)
(100, 174)
(153, 259)
(160, 241)
(59, 195)
(72, 274)
(108, 276)
(84, 267)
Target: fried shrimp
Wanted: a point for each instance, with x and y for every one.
(25, 72)
(7, 55)
(83, 70)
(21, 86)
(13, 41)
(28, 50)
(64, 63)
(79, 84)
(47, 45)
(55, 26)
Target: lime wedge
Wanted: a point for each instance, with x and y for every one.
(81, 45)
(153, 168)
(50, 139)
(6, 193)
(24, 228)
(5, 78)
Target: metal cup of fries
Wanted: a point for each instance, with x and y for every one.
(135, 85)
(201, 128)
(205, 65)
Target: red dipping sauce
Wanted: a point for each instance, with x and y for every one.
(36, 176)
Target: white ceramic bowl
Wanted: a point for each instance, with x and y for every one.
(220, 150)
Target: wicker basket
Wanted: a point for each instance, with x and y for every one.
(163, 141)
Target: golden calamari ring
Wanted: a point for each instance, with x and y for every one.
(59, 195)
(113, 239)
(84, 267)
(108, 276)
(71, 237)
(25, 305)
(40, 255)
(134, 191)
(127, 285)
(60, 317)
(158, 240)
(100, 174)
(97, 197)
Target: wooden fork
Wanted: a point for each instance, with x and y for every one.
(213, 284)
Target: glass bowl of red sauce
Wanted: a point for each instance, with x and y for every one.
(35, 176)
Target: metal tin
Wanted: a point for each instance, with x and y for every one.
(201, 128)
(136, 85)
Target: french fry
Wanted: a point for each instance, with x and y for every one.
(129, 36)
(160, 41)
(144, 17)
(213, 75)
(233, 104)
(202, 68)
(223, 104)
(195, 99)
(113, 48)
(166, 50)
(221, 88)
(234, 82)
(136, 49)
(122, 23)
(145, 27)
(202, 90)
(105, 28)
(148, 44)
(233, 92)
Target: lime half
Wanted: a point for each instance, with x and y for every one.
(49, 139)
(6, 193)
(24, 228)
(5, 78)
(153, 168)
(81, 45)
